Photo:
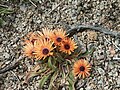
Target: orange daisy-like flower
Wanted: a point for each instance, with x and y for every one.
(45, 34)
(31, 37)
(29, 50)
(81, 68)
(43, 49)
(68, 46)
(58, 36)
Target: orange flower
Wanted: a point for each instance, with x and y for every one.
(45, 34)
(43, 49)
(58, 36)
(29, 50)
(31, 37)
(68, 46)
(81, 68)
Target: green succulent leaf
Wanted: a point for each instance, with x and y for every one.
(43, 80)
(71, 84)
(71, 81)
(87, 52)
(5, 10)
(51, 63)
(34, 72)
(71, 76)
(59, 57)
(54, 76)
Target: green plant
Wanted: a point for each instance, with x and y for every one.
(57, 59)
(4, 11)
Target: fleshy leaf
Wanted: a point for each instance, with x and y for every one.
(71, 76)
(34, 72)
(88, 52)
(54, 76)
(43, 80)
(5, 11)
(59, 57)
(51, 64)
(71, 81)
(71, 84)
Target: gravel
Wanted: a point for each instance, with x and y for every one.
(105, 74)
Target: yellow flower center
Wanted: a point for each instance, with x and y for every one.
(82, 68)
(45, 51)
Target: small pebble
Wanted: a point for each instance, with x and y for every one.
(6, 55)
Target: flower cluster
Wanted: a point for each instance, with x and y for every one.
(46, 44)
(39, 45)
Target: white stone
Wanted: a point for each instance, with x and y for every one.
(88, 88)
(106, 88)
(1, 49)
(101, 71)
(81, 89)
(118, 80)
(6, 55)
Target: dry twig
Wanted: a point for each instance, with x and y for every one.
(3, 6)
(112, 43)
(81, 28)
(55, 7)
(9, 67)
(32, 3)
